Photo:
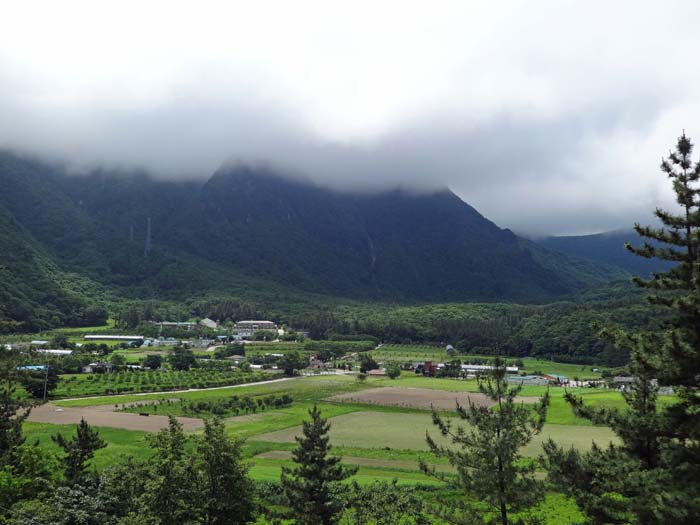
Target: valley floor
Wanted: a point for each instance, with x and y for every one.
(369, 428)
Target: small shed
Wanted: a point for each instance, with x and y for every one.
(100, 367)
(555, 378)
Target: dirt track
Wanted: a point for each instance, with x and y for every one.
(423, 398)
(104, 416)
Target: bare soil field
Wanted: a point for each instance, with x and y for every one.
(422, 398)
(104, 416)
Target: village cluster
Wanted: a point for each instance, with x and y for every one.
(209, 336)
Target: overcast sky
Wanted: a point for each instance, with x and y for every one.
(548, 117)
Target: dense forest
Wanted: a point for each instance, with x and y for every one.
(250, 244)
(254, 235)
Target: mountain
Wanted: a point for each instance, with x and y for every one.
(391, 244)
(607, 248)
(250, 232)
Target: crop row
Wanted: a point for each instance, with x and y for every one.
(125, 382)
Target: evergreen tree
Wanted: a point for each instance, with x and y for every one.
(496, 480)
(173, 488)
(673, 356)
(182, 358)
(79, 450)
(312, 486)
(652, 476)
(13, 411)
(384, 504)
(292, 362)
(621, 483)
(39, 383)
(228, 492)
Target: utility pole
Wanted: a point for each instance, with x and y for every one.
(46, 380)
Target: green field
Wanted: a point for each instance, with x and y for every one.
(260, 349)
(370, 429)
(120, 442)
(384, 442)
(311, 388)
(390, 353)
(134, 356)
(76, 385)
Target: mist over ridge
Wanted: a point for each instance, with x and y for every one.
(556, 129)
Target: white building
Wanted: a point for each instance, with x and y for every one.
(100, 366)
(248, 328)
(208, 323)
(487, 368)
(53, 352)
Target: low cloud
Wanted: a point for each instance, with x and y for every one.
(549, 120)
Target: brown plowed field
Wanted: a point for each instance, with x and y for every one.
(423, 398)
(104, 416)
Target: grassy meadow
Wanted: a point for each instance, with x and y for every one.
(384, 442)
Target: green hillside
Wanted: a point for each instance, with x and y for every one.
(252, 241)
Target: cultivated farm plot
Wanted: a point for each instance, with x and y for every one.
(421, 398)
(406, 431)
(136, 355)
(385, 441)
(258, 348)
(74, 385)
(438, 354)
(105, 416)
(410, 353)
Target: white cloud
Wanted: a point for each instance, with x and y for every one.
(548, 117)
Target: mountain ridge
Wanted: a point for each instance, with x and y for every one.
(246, 228)
(607, 248)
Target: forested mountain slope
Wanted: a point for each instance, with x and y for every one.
(389, 245)
(606, 248)
(247, 232)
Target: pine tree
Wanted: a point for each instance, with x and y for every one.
(652, 476)
(673, 357)
(312, 486)
(496, 480)
(173, 488)
(13, 411)
(622, 483)
(227, 490)
(79, 450)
